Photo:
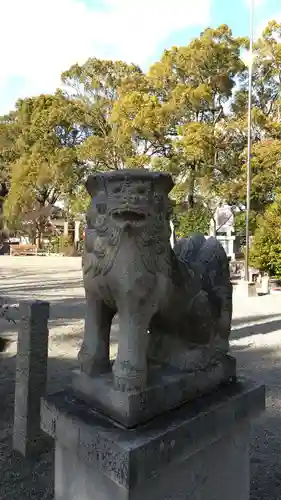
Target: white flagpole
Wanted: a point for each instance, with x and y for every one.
(249, 152)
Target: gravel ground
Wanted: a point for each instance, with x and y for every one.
(256, 343)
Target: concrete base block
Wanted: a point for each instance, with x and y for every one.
(247, 289)
(197, 452)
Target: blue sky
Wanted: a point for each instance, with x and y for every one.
(41, 38)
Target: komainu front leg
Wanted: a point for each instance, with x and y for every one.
(130, 367)
(94, 353)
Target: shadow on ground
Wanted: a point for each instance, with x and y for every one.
(73, 308)
(251, 319)
(61, 310)
(257, 328)
(32, 479)
(42, 287)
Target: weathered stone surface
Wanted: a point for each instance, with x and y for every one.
(167, 388)
(182, 296)
(197, 451)
(31, 373)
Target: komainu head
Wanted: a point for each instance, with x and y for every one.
(129, 198)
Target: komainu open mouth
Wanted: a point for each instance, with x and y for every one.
(128, 215)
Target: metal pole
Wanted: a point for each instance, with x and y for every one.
(248, 202)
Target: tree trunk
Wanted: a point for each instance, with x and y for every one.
(191, 187)
(41, 226)
(213, 227)
(3, 194)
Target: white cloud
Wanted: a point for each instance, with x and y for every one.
(41, 39)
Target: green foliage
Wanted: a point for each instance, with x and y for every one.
(186, 115)
(61, 244)
(266, 129)
(175, 114)
(96, 84)
(240, 223)
(44, 166)
(266, 248)
(190, 220)
(77, 203)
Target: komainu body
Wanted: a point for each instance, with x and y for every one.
(174, 305)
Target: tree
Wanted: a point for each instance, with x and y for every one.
(8, 154)
(266, 127)
(201, 83)
(96, 85)
(266, 248)
(187, 115)
(187, 221)
(44, 166)
(176, 115)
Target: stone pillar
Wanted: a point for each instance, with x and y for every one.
(65, 229)
(31, 374)
(198, 451)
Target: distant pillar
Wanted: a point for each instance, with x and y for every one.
(212, 228)
(65, 228)
(77, 232)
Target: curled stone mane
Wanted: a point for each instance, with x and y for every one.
(154, 244)
(102, 244)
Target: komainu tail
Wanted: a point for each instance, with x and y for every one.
(187, 249)
(207, 257)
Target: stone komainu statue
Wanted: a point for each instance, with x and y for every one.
(174, 305)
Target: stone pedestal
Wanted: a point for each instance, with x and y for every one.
(167, 389)
(197, 452)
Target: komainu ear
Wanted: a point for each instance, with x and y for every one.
(163, 182)
(93, 184)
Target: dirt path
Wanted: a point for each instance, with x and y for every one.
(256, 342)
